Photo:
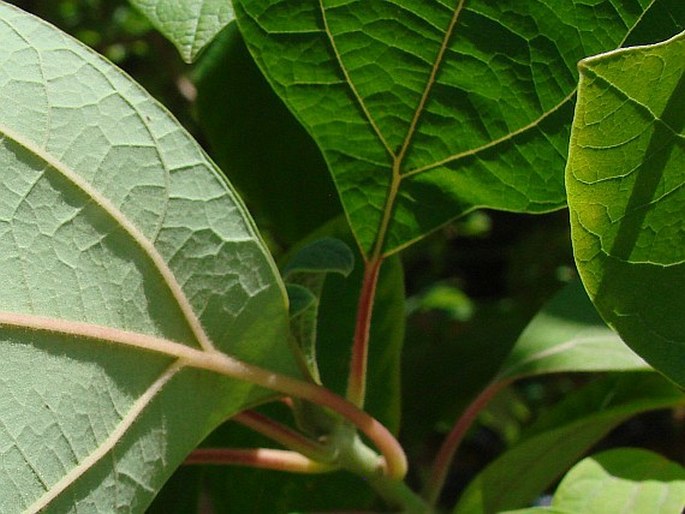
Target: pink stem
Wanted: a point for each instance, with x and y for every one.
(450, 445)
(282, 434)
(356, 385)
(264, 458)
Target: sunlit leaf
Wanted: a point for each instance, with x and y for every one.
(623, 480)
(426, 109)
(568, 335)
(625, 176)
(125, 258)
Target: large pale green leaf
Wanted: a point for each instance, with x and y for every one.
(189, 24)
(522, 473)
(116, 233)
(624, 178)
(426, 109)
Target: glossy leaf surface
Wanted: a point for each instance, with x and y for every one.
(189, 24)
(627, 480)
(425, 110)
(624, 178)
(125, 258)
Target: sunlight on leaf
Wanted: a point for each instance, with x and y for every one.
(126, 260)
(189, 24)
(425, 110)
(568, 335)
(628, 480)
(625, 175)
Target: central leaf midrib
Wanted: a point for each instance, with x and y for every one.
(121, 220)
(397, 158)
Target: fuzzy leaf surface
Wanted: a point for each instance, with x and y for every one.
(625, 184)
(121, 248)
(189, 24)
(427, 109)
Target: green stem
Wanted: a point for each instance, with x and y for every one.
(359, 459)
(445, 455)
(356, 384)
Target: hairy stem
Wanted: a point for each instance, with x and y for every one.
(264, 458)
(284, 435)
(445, 455)
(356, 384)
(394, 462)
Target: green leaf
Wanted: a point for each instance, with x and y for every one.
(624, 177)
(522, 473)
(539, 510)
(306, 272)
(323, 256)
(263, 150)
(425, 110)
(335, 330)
(568, 335)
(126, 259)
(626, 480)
(189, 24)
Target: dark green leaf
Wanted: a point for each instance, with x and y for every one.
(262, 149)
(426, 109)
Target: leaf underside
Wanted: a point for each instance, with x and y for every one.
(425, 110)
(624, 178)
(115, 231)
(189, 24)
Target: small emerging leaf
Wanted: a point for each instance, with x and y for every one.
(305, 275)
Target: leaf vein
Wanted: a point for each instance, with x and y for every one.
(348, 80)
(123, 222)
(108, 444)
(475, 151)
